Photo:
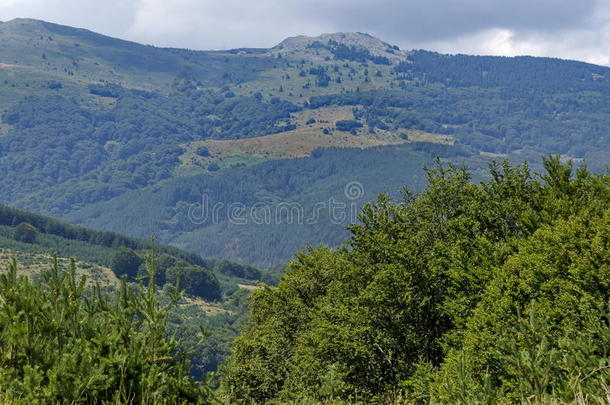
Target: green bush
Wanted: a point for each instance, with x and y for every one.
(126, 262)
(194, 280)
(63, 344)
(203, 151)
(25, 232)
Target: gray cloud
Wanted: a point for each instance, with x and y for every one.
(578, 29)
(443, 19)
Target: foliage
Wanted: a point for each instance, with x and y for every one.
(87, 242)
(348, 125)
(308, 181)
(203, 151)
(241, 271)
(424, 301)
(222, 326)
(63, 344)
(108, 152)
(194, 280)
(352, 53)
(126, 262)
(25, 232)
(524, 119)
(490, 71)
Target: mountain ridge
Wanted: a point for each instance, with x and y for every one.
(128, 137)
(346, 37)
(301, 44)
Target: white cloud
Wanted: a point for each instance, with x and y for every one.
(589, 45)
(214, 24)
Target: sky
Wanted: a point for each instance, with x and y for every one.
(569, 29)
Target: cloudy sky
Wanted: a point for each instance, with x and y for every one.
(574, 29)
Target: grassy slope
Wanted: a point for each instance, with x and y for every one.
(87, 57)
(300, 142)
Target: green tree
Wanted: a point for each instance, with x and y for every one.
(126, 262)
(25, 232)
(194, 280)
(423, 300)
(64, 344)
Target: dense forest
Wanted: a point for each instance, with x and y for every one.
(89, 156)
(304, 181)
(464, 293)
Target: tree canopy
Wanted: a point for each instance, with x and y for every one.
(446, 295)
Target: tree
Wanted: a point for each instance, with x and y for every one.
(25, 232)
(203, 151)
(126, 262)
(194, 280)
(426, 295)
(86, 348)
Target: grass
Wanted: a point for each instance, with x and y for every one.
(285, 145)
(32, 265)
(202, 307)
(300, 142)
(298, 89)
(249, 287)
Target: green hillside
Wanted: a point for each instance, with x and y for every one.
(128, 138)
(215, 291)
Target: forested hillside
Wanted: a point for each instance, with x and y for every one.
(215, 291)
(128, 138)
(468, 292)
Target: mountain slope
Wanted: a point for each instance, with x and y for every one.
(125, 137)
(85, 56)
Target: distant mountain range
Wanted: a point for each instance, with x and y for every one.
(142, 140)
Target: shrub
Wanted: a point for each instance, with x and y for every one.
(194, 280)
(348, 125)
(61, 344)
(126, 262)
(203, 151)
(25, 232)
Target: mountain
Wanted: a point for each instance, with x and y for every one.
(83, 56)
(142, 140)
(357, 46)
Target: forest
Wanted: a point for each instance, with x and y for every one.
(489, 292)
(132, 145)
(308, 180)
(34, 239)
(465, 292)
